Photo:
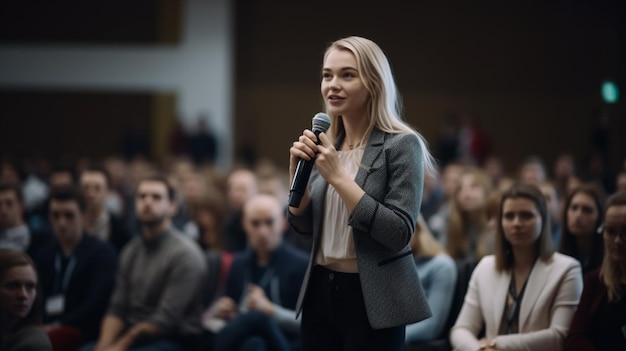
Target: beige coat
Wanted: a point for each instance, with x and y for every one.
(548, 305)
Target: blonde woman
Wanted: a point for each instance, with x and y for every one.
(361, 205)
(600, 320)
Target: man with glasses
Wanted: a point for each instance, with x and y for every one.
(77, 273)
(263, 284)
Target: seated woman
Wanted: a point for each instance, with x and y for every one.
(467, 235)
(582, 217)
(600, 320)
(438, 274)
(525, 295)
(20, 305)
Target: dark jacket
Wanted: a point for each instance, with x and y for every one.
(582, 335)
(89, 287)
(287, 267)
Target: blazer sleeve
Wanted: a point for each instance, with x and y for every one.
(562, 311)
(302, 224)
(391, 222)
(470, 320)
(579, 336)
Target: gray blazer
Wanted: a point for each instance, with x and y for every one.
(391, 174)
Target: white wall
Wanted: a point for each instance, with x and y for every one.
(199, 70)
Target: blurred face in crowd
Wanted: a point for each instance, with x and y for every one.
(582, 214)
(493, 167)
(66, 219)
(10, 210)
(572, 183)
(209, 229)
(152, 204)
(472, 195)
(552, 201)
(615, 233)
(264, 223)
(61, 179)
(564, 167)
(532, 173)
(242, 185)
(18, 289)
(521, 222)
(450, 178)
(95, 189)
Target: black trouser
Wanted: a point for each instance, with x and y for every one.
(334, 317)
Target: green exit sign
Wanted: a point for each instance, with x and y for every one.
(610, 92)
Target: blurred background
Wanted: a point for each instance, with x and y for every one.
(230, 82)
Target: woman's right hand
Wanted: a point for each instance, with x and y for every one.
(305, 148)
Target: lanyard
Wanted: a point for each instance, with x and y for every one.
(513, 311)
(69, 270)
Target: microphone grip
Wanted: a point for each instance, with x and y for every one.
(301, 178)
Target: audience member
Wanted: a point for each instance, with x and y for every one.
(600, 320)
(157, 302)
(14, 233)
(242, 185)
(263, 284)
(467, 236)
(95, 184)
(551, 195)
(77, 273)
(526, 294)
(438, 275)
(533, 171)
(208, 215)
(582, 219)
(450, 176)
(203, 143)
(433, 196)
(494, 167)
(20, 304)
(564, 168)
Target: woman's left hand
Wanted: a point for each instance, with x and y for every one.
(327, 161)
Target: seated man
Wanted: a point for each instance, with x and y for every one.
(95, 183)
(157, 301)
(263, 284)
(77, 273)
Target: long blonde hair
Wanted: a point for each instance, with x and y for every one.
(611, 272)
(458, 241)
(384, 105)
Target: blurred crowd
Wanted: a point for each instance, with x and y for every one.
(235, 216)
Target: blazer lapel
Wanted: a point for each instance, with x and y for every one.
(372, 150)
(500, 291)
(536, 282)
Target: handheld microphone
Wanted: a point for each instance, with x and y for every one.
(321, 122)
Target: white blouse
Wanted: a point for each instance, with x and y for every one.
(337, 245)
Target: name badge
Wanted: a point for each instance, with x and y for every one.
(55, 305)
